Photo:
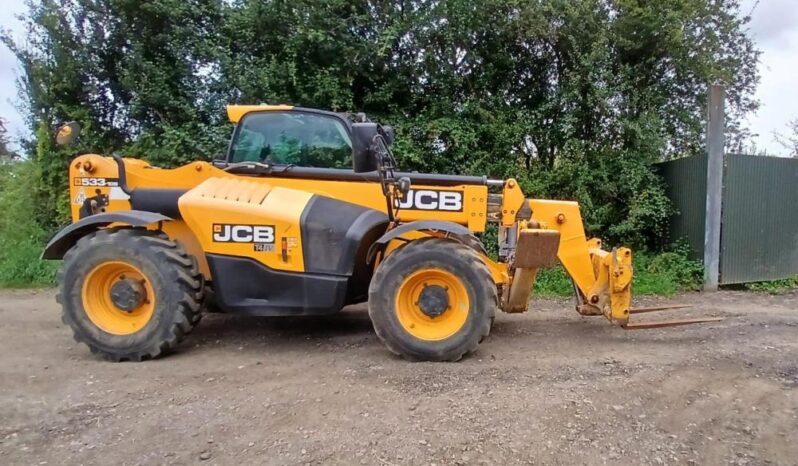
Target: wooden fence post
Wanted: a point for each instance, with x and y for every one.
(716, 141)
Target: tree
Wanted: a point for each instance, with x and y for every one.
(790, 141)
(575, 98)
(6, 153)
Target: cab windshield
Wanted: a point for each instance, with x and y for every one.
(292, 138)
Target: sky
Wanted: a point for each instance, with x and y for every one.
(774, 28)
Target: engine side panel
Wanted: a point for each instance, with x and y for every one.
(236, 217)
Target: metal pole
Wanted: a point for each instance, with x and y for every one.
(716, 141)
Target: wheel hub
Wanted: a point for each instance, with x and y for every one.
(127, 294)
(433, 301)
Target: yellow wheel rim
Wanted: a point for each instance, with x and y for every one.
(421, 325)
(100, 307)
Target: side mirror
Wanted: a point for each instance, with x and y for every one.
(67, 134)
(364, 155)
(364, 158)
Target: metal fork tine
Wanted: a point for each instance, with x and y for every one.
(669, 323)
(641, 310)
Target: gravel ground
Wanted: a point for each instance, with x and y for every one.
(548, 387)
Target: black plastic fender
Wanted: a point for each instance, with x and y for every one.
(62, 241)
(420, 225)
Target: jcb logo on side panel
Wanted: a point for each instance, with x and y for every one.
(429, 199)
(232, 233)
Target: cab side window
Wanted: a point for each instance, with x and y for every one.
(292, 138)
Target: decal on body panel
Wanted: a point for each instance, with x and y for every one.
(432, 199)
(261, 236)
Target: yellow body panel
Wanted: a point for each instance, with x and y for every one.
(236, 112)
(222, 203)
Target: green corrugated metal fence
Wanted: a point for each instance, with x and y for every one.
(686, 185)
(759, 231)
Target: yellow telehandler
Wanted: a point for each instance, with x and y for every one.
(308, 213)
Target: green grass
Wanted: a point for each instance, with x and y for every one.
(774, 286)
(553, 282)
(21, 237)
(654, 274)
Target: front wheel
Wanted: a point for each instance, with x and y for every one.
(432, 300)
(129, 294)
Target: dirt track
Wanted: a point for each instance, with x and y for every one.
(547, 387)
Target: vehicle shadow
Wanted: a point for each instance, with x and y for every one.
(352, 328)
(351, 322)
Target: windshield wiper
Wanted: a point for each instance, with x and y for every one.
(258, 168)
(282, 168)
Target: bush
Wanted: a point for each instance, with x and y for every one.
(774, 286)
(667, 273)
(21, 237)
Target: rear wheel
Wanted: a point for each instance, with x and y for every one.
(432, 300)
(129, 294)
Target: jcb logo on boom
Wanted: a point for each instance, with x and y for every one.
(429, 199)
(231, 233)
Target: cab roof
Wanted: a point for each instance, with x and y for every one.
(236, 112)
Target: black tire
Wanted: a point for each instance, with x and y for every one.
(473, 242)
(209, 303)
(433, 253)
(170, 271)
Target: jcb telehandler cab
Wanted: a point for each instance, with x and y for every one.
(306, 215)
